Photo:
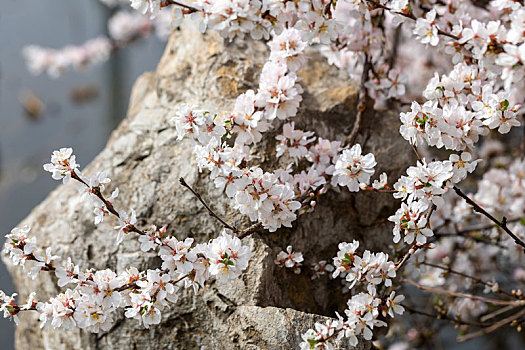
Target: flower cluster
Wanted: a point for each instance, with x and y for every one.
(362, 315)
(56, 62)
(422, 189)
(371, 268)
(96, 295)
(460, 107)
(290, 259)
(363, 309)
(262, 196)
(22, 248)
(124, 27)
(11, 309)
(353, 169)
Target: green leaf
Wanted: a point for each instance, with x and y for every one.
(312, 343)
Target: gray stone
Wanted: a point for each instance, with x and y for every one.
(268, 307)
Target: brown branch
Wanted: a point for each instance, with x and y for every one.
(361, 106)
(395, 47)
(464, 295)
(479, 209)
(133, 285)
(211, 212)
(448, 269)
(109, 206)
(248, 231)
(522, 145)
(416, 152)
(477, 228)
(441, 316)
(468, 236)
(492, 328)
(46, 267)
(410, 252)
(188, 8)
(409, 15)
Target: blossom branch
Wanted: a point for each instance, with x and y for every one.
(96, 192)
(409, 14)
(407, 256)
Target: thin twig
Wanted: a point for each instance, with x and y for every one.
(479, 209)
(467, 236)
(361, 106)
(109, 206)
(410, 252)
(464, 295)
(133, 285)
(492, 328)
(416, 152)
(411, 16)
(189, 8)
(440, 316)
(448, 269)
(211, 212)
(496, 313)
(476, 228)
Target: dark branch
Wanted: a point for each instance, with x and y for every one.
(502, 224)
(409, 15)
(211, 212)
(474, 279)
(440, 316)
(188, 8)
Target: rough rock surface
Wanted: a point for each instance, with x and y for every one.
(268, 307)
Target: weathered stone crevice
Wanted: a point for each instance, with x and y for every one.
(267, 307)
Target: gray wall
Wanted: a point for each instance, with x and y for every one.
(25, 144)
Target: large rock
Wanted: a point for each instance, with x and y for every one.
(268, 307)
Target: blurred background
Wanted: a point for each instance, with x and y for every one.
(40, 114)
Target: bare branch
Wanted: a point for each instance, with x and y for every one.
(448, 269)
(464, 295)
(440, 316)
(211, 212)
(188, 8)
(492, 328)
(479, 209)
